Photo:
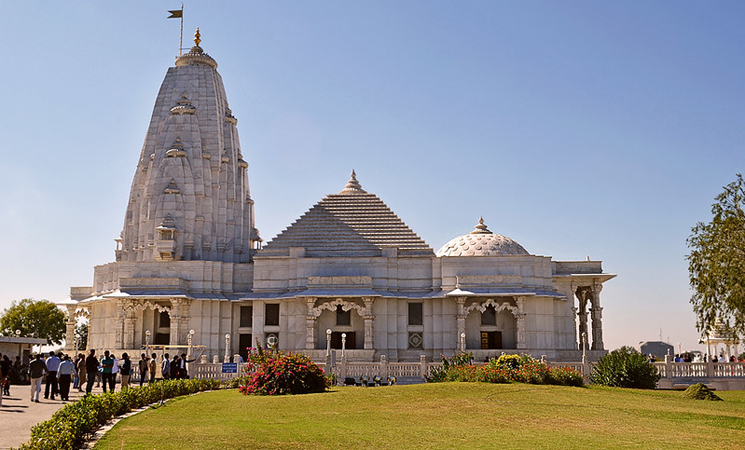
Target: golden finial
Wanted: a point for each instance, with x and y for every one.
(196, 37)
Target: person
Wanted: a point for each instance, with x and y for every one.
(175, 366)
(2, 378)
(152, 366)
(126, 370)
(53, 363)
(76, 378)
(82, 372)
(5, 367)
(165, 366)
(143, 365)
(114, 372)
(91, 369)
(37, 368)
(64, 374)
(183, 370)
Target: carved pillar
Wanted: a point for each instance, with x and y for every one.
(175, 315)
(582, 314)
(597, 318)
(118, 324)
(460, 319)
(520, 319)
(70, 329)
(310, 324)
(129, 329)
(368, 318)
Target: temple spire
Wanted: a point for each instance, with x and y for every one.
(353, 186)
(481, 228)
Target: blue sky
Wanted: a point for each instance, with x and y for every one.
(601, 129)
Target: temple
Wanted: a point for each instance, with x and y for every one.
(190, 266)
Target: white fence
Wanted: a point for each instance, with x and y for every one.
(420, 369)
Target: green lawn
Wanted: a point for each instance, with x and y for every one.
(443, 415)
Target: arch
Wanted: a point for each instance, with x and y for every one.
(345, 306)
(498, 307)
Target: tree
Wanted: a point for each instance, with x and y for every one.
(716, 264)
(81, 333)
(39, 318)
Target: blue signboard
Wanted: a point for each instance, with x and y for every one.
(229, 367)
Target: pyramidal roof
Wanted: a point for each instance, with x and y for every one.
(350, 223)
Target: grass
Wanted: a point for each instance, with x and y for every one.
(443, 415)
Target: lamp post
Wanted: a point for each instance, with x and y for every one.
(147, 342)
(343, 343)
(328, 342)
(463, 342)
(227, 348)
(190, 341)
(584, 347)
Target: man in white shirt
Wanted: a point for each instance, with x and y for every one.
(64, 374)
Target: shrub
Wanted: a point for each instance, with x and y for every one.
(700, 392)
(439, 374)
(625, 367)
(275, 373)
(505, 369)
(70, 425)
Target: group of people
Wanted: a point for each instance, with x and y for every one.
(60, 372)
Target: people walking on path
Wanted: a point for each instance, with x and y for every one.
(82, 372)
(91, 369)
(53, 363)
(64, 374)
(165, 366)
(107, 364)
(37, 368)
(143, 365)
(126, 370)
(152, 366)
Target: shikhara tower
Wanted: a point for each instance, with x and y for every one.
(189, 229)
(190, 198)
(349, 272)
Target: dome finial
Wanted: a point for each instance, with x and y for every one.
(481, 227)
(197, 37)
(353, 186)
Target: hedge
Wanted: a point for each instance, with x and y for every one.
(70, 425)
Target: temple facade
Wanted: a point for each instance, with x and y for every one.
(191, 268)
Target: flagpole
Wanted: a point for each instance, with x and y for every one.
(181, 37)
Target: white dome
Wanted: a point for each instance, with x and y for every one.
(481, 242)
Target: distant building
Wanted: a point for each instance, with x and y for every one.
(658, 349)
(190, 258)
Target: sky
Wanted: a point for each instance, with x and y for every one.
(584, 128)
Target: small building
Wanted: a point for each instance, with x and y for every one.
(19, 346)
(658, 349)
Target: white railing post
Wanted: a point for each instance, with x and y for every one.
(423, 366)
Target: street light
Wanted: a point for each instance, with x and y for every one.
(147, 342)
(343, 343)
(463, 342)
(227, 348)
(328, 342)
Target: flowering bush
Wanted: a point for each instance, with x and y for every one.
(275, 373)
(505, 369)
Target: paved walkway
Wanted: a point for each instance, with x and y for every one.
(18, 414)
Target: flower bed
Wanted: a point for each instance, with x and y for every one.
(276, 373)
(506, 369)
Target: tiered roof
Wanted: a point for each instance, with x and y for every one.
(350, 223)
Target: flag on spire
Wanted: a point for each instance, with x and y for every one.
(176, 14)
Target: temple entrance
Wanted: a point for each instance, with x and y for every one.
(491, 340)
